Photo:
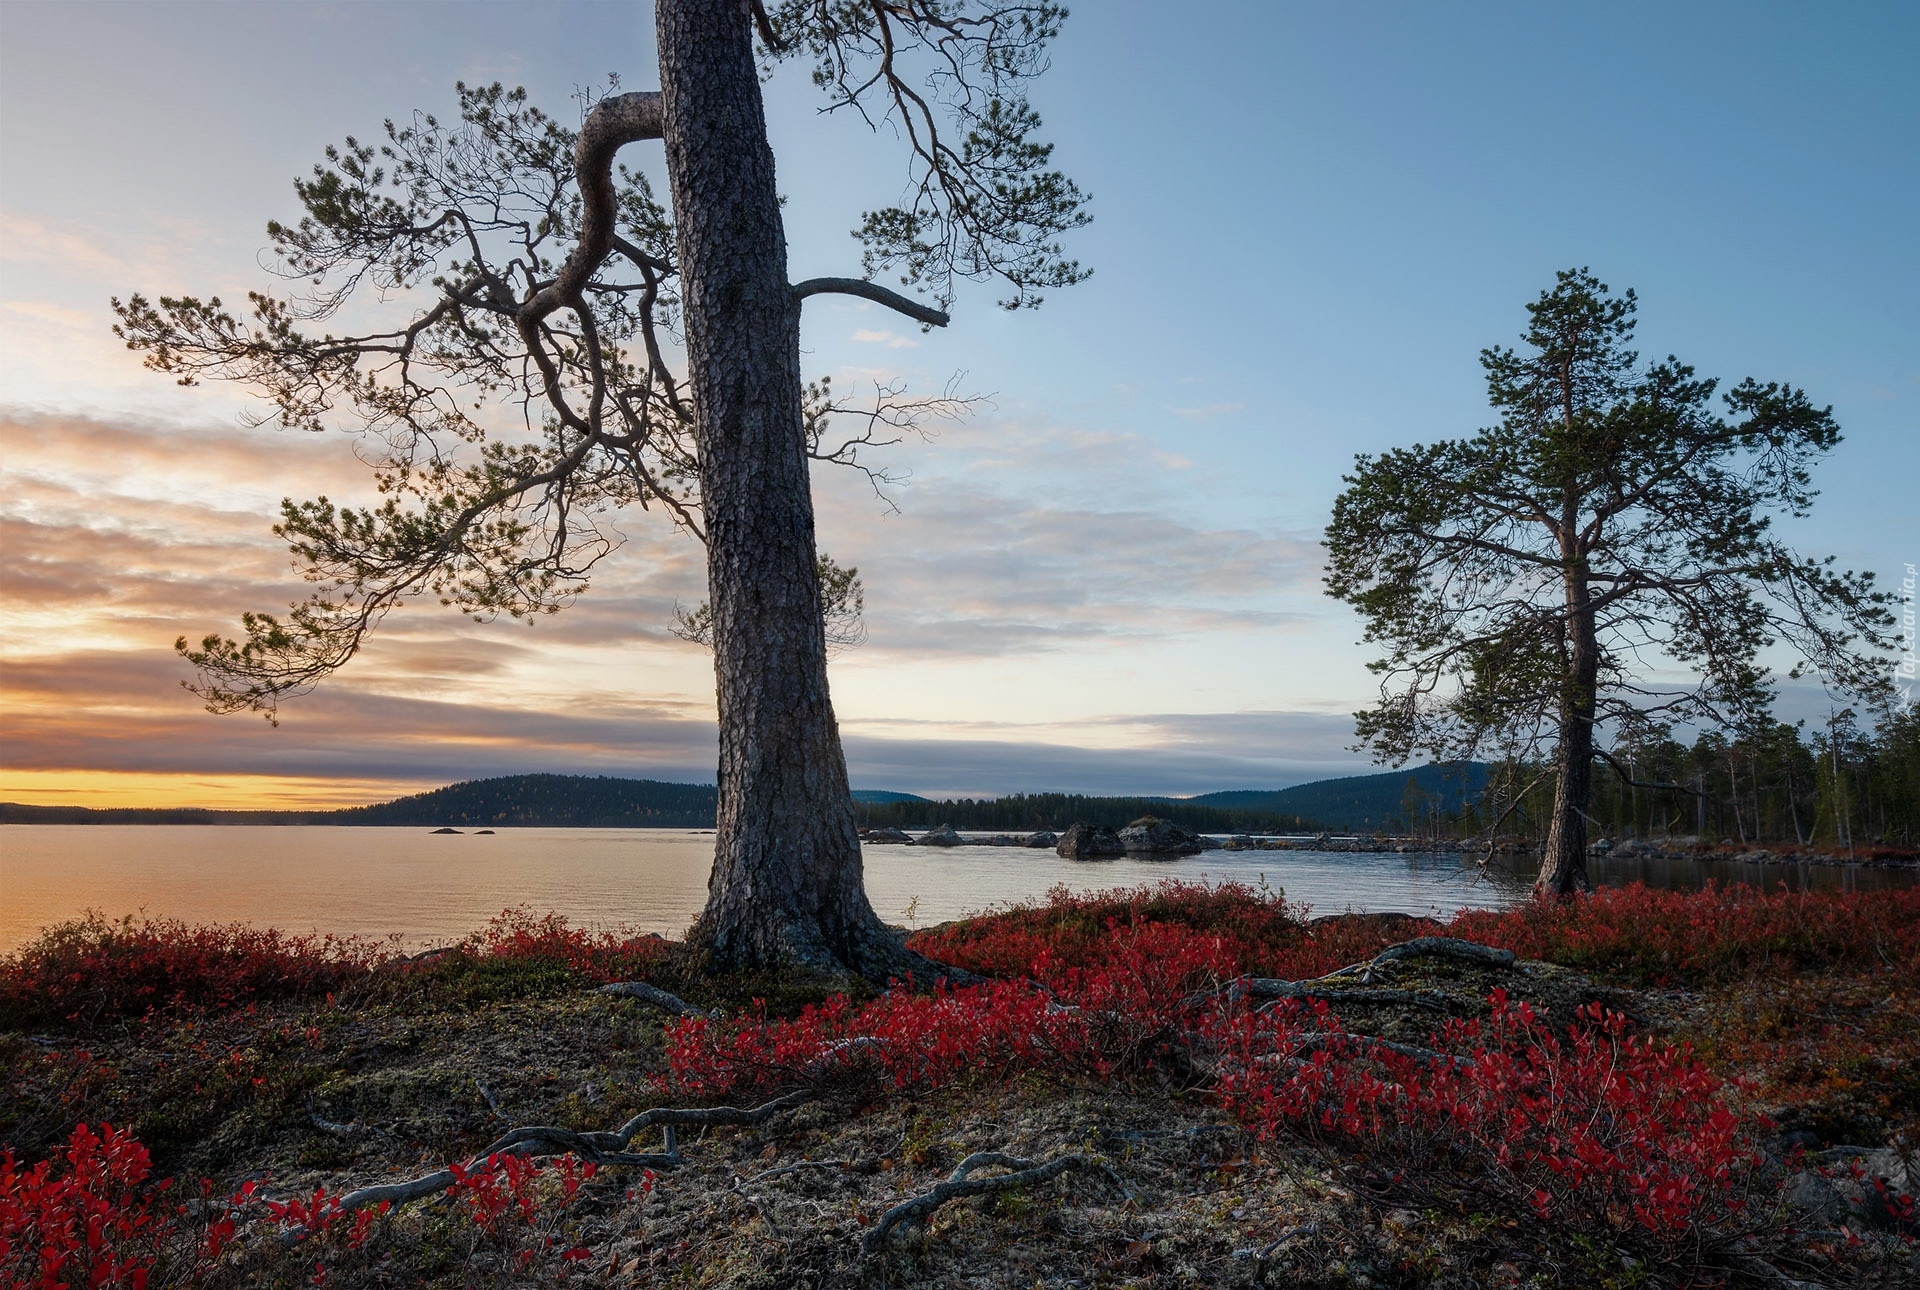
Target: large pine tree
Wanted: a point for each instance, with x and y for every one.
(1601, 554)
(523, 268)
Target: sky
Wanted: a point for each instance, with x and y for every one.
(1308, 221)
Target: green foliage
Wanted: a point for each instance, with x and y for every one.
(1612, 514)
(503, 440)
(517, 394)
(1772, 783)
(982, 200)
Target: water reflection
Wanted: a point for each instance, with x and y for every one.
(430, 889)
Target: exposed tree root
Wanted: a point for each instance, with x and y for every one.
(959, 1183)
(1423, 947)
(335, 1128)
(1308, 1043)
(654, 995)
(1269, 988)
(610, 1147)
(1334, 987)
(601, 1148)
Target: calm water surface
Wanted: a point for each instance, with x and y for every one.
(430, 889)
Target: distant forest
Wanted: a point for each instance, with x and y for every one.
(1025, 812)
(549, 801)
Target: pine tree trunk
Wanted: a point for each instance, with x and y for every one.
(1563, 868)
(787, 885)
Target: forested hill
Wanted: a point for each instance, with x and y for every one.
(1366, 803)
(1023, 812)
(548, 801)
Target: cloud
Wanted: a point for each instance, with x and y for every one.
(124, 711)
(28, 241)
(966, 568)
(873, 336)
(1207, 410)
(1014, 544)
(1214, 754)
(42, 311)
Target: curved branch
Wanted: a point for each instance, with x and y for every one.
(613, 123)
(875, 292)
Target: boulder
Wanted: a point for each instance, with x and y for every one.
(1089, 842)
(1238, 842)
(899, 837)
(1044, 838)
(940, 836)
(1160, 837)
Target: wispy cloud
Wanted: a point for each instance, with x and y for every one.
(121, 535)
(1207, 410)
(873, 336)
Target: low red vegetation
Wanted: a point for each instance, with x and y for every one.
(1603, 1132)
(1596, 1128)
(1636, 932)
(89, 968)
(1709, 935)
(91, 1217)
(519, 934)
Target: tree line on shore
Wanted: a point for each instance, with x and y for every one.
(1832, 787)
(1030, 811)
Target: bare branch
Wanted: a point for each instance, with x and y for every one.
(875, 292)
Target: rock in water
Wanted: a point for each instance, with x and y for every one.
(1044, 838)
(1089, 842)
(446, 830)
(1160, 837)
(942, 836)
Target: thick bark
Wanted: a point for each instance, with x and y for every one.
(787, 886)
(1563, 869)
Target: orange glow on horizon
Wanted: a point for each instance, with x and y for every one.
(102, 789)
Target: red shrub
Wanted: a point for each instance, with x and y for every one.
(1636, 931)
(1713, 934)
(1597, 1126)
(88, 1217)
(617, 955)
(1073, 929)
(91, 969)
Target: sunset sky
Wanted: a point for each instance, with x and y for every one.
(1308, 221)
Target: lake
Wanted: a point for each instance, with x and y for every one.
(433, 889)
